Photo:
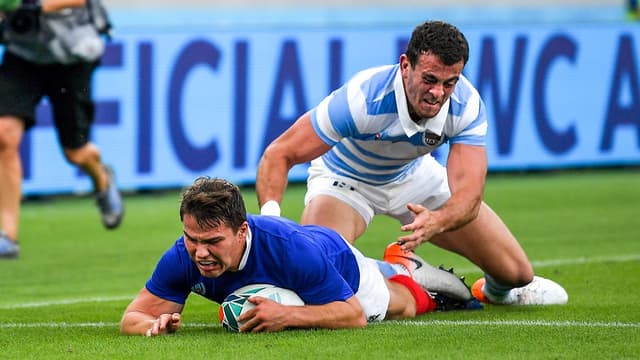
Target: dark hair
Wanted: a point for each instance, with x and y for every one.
(214, 202)
(439, 38)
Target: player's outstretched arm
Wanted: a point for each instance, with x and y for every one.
(269, 316)
(466, 171)
(150, 315)
(296, 145)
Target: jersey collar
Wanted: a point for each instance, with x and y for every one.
(247, 250)
(433, 125)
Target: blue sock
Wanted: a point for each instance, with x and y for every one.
(388, 270)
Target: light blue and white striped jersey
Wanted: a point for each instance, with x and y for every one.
(373, 137)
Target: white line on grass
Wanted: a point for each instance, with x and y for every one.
(58, 325)
(83, 325)
(584, 260)
(536, 264)
(531, 323)
(520, 323)
(67, 302)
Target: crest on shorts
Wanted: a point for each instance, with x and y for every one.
(431, 139)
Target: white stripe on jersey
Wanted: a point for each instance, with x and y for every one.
(374, 141)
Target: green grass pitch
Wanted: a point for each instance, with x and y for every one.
(63, 298)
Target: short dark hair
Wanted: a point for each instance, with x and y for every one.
(214, 202)
(439, 38)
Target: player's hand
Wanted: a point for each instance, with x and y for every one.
(165, 324)
(423, 227)
(267, 316)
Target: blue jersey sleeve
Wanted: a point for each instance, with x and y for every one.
(170, 279)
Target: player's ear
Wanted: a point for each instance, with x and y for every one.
(404, 63)
(242, 231)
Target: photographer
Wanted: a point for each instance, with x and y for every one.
(52, 49)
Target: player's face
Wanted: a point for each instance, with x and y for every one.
(429, 84)
(214, 250)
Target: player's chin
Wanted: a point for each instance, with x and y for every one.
(430, 110)
(211, 274)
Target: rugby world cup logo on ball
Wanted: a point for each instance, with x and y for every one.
(236, 303)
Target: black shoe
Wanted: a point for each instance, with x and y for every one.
(446, 301)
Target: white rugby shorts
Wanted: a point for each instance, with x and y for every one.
(426, 184)
(373, 292)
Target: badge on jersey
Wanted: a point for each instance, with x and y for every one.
(431, 139)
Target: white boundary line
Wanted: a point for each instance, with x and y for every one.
(67, 302)
(536, 264)
(530, 323)
(615, 324)
(86, 325)
(539, 264)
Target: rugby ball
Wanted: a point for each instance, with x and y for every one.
(236, 304)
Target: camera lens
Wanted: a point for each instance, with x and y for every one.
(21, 23)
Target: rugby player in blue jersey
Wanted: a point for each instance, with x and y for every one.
(370, 142)
(223, 248)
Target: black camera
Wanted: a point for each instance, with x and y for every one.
(3, 26)
(26, 18)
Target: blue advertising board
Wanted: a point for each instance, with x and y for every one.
(176, 104)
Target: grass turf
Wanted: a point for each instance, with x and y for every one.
(64, 296)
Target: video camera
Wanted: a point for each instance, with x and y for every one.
(24, 20)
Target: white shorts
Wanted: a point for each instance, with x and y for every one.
(373, 292)
(426, 185)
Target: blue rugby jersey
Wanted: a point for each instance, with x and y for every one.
(314, 262)
(373, 139)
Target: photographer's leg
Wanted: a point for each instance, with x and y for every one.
(11, 132)
(87, 158)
